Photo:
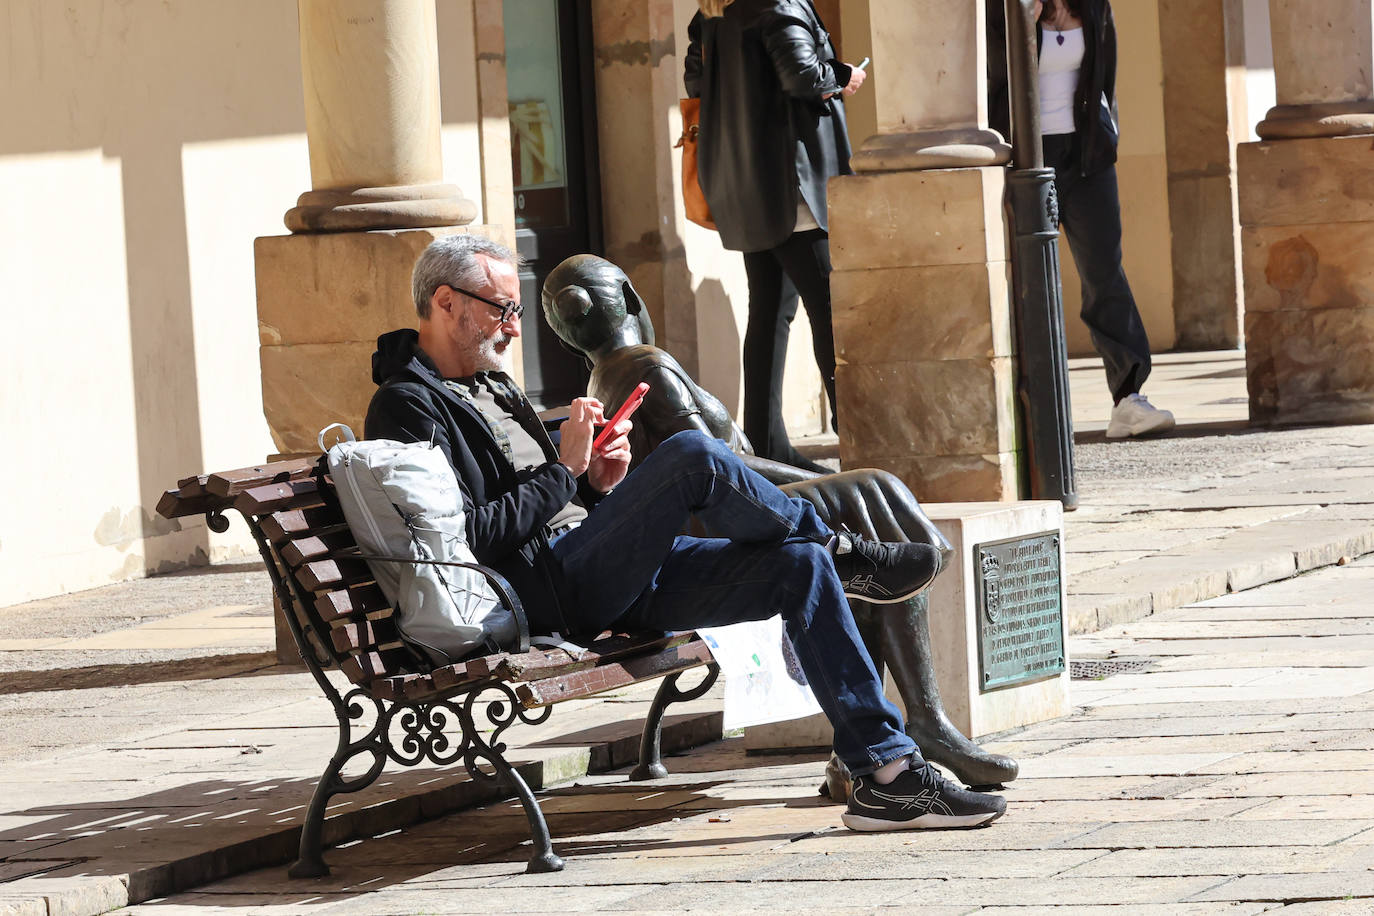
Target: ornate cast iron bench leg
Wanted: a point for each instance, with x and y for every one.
(310, 863)
(650, 743)
(503, 713)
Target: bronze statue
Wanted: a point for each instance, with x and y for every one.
(593, 308)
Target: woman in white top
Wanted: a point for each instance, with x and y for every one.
(1077, 55)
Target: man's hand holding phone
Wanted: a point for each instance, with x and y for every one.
(605, 459)
(610, 459)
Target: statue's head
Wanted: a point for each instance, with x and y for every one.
(589, 302)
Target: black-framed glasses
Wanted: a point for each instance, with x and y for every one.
(509, 309)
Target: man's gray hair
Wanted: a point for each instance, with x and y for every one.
(452, 261)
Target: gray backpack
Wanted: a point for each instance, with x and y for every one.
(402, 502)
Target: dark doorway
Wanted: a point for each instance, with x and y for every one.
(550, 84)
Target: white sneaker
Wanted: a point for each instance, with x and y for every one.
(1135, 416)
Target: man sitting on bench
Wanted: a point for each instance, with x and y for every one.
(590, 547)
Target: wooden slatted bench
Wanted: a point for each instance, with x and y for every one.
(341, 620)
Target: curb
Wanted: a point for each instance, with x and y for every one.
(97, 894)
(1244, 559)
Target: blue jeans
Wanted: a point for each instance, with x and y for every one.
(628, 566)
(1090, 212)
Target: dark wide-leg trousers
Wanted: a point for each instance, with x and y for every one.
(1090, 213)
(776, 276)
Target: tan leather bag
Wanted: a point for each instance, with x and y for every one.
(698, 210)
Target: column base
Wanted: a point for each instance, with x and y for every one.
(426, 206)
(1336, 119)
(959, 147)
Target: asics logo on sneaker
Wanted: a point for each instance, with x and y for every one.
(865, 585)
(927, 800)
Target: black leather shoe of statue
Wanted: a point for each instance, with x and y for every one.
(918, 799)
(883, 573)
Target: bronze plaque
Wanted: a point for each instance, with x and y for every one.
(1020, 611)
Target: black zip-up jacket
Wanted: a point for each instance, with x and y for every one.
(1094, 104)
(762, 72)
(507, 512)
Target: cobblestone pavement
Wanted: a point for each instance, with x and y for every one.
(152, 744)
(1230, 772)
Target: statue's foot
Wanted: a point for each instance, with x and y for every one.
(837, 781)
(947, 746)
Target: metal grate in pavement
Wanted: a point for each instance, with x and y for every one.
(1095, 669)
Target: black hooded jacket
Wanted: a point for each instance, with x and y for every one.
(1094, 104)
(506, 511)
(762, 72)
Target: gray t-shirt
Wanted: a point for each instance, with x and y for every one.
(524, 451)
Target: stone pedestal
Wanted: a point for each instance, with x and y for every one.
(1307, 221)
(954, 621)
(922, 330)
(954, 628)
(1307, 235)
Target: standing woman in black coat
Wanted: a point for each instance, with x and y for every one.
(772, 134)
(1077, 77)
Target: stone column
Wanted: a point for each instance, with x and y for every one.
(371, 81)
(638, 84)
(1202, 52)
(1307, 220)
(918, 241)
(1323, 67)
(371, 74)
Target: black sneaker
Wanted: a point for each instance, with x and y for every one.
(883, 572)
(918, 799)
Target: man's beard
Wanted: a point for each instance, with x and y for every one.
(486, 356)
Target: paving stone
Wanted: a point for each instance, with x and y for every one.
(1133, 729)
(1296, 888)
(1122, 765)
(1056, 890)
(1341, 907)
(1356, 782)
(83, 896)
(20, 905)
(1238, 744)
(1123, 810)
(1225, 861)
(1099, 787)
(1294, 762)
(1145, 909)
(1313, 806)
(802, 896)
(1205, 834)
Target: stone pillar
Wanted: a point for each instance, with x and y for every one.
(638, 84)
(371, 79)
(1323, 67)
(918, 242)
(371, 74)
(1307, 220)
(1202, 51)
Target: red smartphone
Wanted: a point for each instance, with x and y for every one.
(630, 406)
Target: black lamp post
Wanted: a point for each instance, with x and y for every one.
(1037, 306)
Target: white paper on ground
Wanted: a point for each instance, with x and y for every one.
(763, 679)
